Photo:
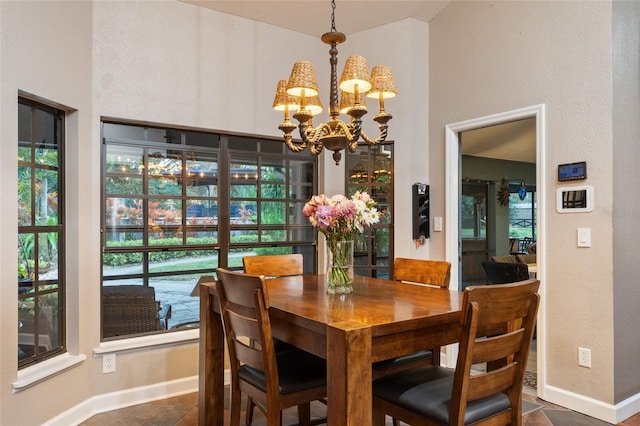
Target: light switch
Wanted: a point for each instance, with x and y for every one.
(437, 224)
(584, 237)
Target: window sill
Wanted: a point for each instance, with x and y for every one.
(135, 343)
(29, 376)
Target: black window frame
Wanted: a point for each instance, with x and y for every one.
(227, 148)
(38, 285)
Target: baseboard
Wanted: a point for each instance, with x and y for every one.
(115, 400)
(609, 413)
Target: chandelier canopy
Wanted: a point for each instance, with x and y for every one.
(301, 94)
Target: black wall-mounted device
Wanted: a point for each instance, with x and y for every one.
(572, 171)
(420, 197)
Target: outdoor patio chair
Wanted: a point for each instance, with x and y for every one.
(132, 309)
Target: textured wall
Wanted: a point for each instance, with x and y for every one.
(490, 57)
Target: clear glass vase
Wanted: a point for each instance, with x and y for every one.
(339, 266)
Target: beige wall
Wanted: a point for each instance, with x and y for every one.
(491, 57)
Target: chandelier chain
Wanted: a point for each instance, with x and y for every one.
(333, 15)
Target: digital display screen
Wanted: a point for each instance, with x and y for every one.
(572, 171)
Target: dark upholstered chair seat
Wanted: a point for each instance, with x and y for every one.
(297, 370)
(401, 361)
(427, 391)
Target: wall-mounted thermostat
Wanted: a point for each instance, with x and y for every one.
(572, 171)
(575, 199)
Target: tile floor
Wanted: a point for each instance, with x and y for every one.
(183, 411)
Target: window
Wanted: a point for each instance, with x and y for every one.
(180, 203)
(41, 325)
(522, 214)
(370, 169)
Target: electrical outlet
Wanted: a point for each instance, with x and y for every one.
(584, 357)
(108, 363)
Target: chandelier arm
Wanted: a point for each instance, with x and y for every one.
(312, 136)
(293, 145)
(381, 137)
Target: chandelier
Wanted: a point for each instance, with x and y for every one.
(300, 94)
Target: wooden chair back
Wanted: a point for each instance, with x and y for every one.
(280, 265)
(244, 302)
(431, 272)
(498, 323)
(244, 305)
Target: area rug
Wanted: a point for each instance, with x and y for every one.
(530, 379)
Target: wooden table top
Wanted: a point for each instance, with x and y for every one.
(374, 302)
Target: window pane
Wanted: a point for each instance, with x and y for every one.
(295, 213)
(301, 234)
(243, 213)
(46, 197)
(24, 196)
(248, 236)
(48, 256)
(202, 176)
(165, 173)
(164, 212)
(124, 160)
(114, 264)
(276, 236)
(26, 260)
(273, 213)
(123, 238)
(174, 261)
(123, 212)
(165, 236)
(196, 235)
(123, 185)
(177, 291)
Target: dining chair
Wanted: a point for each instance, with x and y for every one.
(426, 272)
(497, 324)
(271, 266)
(275, 381)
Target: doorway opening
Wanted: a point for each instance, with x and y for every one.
(454, 193)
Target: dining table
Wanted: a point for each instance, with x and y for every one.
(380, 319)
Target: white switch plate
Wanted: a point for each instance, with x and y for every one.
(437, 224)
(584, 237)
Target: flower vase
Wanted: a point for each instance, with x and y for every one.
(339, 266)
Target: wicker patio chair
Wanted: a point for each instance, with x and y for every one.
(132, 309)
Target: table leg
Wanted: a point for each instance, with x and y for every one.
(349, 374)
(211, 368)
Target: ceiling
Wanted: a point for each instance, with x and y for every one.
(514, 141)
(351, 16)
